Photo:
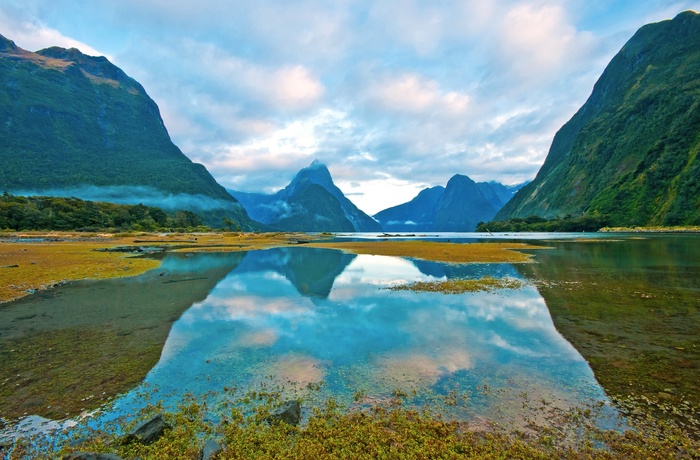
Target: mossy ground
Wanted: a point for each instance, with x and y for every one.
(28, 267)
(393, 429)
(460, 286)
(33, 261)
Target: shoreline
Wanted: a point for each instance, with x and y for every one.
(37, 261)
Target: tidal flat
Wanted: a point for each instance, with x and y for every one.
(94, 347)
(629, 306)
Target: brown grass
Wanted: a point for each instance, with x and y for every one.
(31, 266)
(37, 266)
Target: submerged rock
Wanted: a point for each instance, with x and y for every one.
(289, 413)
(148, 432)
(210, 450)
(91, 456)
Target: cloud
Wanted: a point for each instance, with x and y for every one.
(535, 39)
(286, 87)
(413, 94)
(133, 194)
(33, 36)
(402, 91)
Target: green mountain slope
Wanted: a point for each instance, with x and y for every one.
(630, 152)
(72, 124)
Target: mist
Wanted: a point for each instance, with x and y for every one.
(126, 194)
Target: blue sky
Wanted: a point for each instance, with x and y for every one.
(392, 95)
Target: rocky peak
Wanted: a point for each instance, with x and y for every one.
(7, 45)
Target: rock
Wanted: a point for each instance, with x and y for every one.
(289, 413)
(148, 432)
(90, 456)
(210, 450)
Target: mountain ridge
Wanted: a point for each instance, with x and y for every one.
(69, 121)
(459, 207)
(630, 152)
(311, 202)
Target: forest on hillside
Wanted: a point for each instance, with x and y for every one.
(56, 213)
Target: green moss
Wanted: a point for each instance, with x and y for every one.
(388, 430)
(459, 286)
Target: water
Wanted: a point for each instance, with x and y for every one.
(296, 316)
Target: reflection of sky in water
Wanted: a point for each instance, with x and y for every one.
(352, 333)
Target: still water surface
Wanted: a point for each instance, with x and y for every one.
(292, 317)
(296, 316)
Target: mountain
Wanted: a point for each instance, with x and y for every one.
(458, 207)
(311, 202)
(77, 125)
(416, 215)
(630, 152)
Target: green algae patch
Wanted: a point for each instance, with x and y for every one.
(632, 309)
(461, 286)
(61, 373)
(438, 251)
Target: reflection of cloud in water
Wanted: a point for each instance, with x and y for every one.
(297, 369)
(377, 271)
(500, 342)
(247, 307)
(263, 338)
(420, 368)
(257, 323)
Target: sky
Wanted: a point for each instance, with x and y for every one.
(392, 95)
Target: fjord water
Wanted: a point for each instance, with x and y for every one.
(296, 316)
(292, 317)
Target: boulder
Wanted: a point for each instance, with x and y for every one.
(289, 413)
(91, 456)
(149, 431)
(210, 450)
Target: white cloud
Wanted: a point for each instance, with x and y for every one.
(285, 87)
(34, 36)
(413, 94)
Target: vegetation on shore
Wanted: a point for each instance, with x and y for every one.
(27, 267)
(34, 261)
(395, 428)
(677, 229)
(73, 214)
(540, 224)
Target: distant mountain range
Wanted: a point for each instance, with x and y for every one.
(311, 202)
(77, 125)
(630, 153)
(458, 207)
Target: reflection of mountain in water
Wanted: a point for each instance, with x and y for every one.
(469, 271)
(97, 336)
(266, 323)
(312, 271)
